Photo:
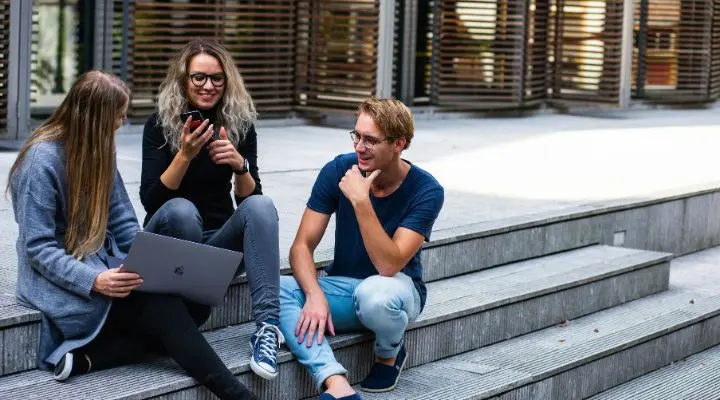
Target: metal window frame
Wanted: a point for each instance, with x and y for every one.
(18, 126)
(102, 46)
(406, 75)
(628, 37)
(386, 32)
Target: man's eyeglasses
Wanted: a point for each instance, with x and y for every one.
(198, 79)
(368, 141)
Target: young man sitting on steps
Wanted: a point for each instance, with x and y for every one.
(385, 208)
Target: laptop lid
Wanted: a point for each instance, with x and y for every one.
(197, 272)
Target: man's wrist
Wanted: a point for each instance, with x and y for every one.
(314, 294)
(362, 202)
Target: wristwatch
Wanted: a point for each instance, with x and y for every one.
(245, 168)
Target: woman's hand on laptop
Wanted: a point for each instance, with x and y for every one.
(116, 282)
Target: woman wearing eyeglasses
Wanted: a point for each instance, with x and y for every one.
(190, 167)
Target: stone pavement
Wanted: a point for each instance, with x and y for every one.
(491, 168)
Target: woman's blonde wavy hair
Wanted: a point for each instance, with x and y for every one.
(236, 111)
(85, 125)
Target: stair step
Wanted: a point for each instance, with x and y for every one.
(505, 301)
(588, 355)
(697, 377)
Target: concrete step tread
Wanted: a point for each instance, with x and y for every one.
(446, 300)
(522, 280)
(16, 314)
(696, 378)
(498, 368)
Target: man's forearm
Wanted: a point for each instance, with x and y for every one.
(303, 268)
(381, 249)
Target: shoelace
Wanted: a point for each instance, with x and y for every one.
(270, 339)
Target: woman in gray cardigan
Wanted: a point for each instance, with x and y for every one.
(76, 221)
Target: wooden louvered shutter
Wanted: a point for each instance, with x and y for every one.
(117, 40)
(405, 13)
(259, 35)
(694, 45)
(337, 53)
(676, 60)
(4, 60)
(715, 53)
(480, 54)
(586, 51)
(535, 85)
(424, 85)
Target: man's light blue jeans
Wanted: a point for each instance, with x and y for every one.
(383, 305)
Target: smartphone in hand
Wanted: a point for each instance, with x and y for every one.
(197, 118)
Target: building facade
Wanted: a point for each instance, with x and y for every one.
(304, 57)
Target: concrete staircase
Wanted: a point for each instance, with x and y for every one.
(577, 359)
(497, 292)
(697, 377)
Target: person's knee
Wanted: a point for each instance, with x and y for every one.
(181, 219)
(260, 206)
(179, 209)
(376, 298)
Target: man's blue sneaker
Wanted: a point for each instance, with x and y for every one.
(326, 396)
(383, 378)
(265, 344)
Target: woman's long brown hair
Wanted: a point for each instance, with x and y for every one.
(85, 125)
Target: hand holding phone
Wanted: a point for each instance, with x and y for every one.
(196, 116)
(194, 139)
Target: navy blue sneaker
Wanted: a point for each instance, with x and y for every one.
(265, 344)
(384, 378)
(326, 396)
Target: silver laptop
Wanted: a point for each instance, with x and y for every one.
(197, 272)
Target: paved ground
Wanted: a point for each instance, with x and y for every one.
(491, 168)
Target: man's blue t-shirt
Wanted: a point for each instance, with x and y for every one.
(414, 205)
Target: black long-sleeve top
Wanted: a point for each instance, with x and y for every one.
(205, 184)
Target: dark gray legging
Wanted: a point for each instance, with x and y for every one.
(145, 323)
(252, 229)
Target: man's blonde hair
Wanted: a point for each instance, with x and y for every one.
(392, 117)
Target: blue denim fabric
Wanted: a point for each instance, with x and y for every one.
(383, 305)
(252, 229)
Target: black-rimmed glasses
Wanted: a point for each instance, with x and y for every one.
(198, 79)
(369, 141)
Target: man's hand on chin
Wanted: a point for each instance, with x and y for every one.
(355, 186)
